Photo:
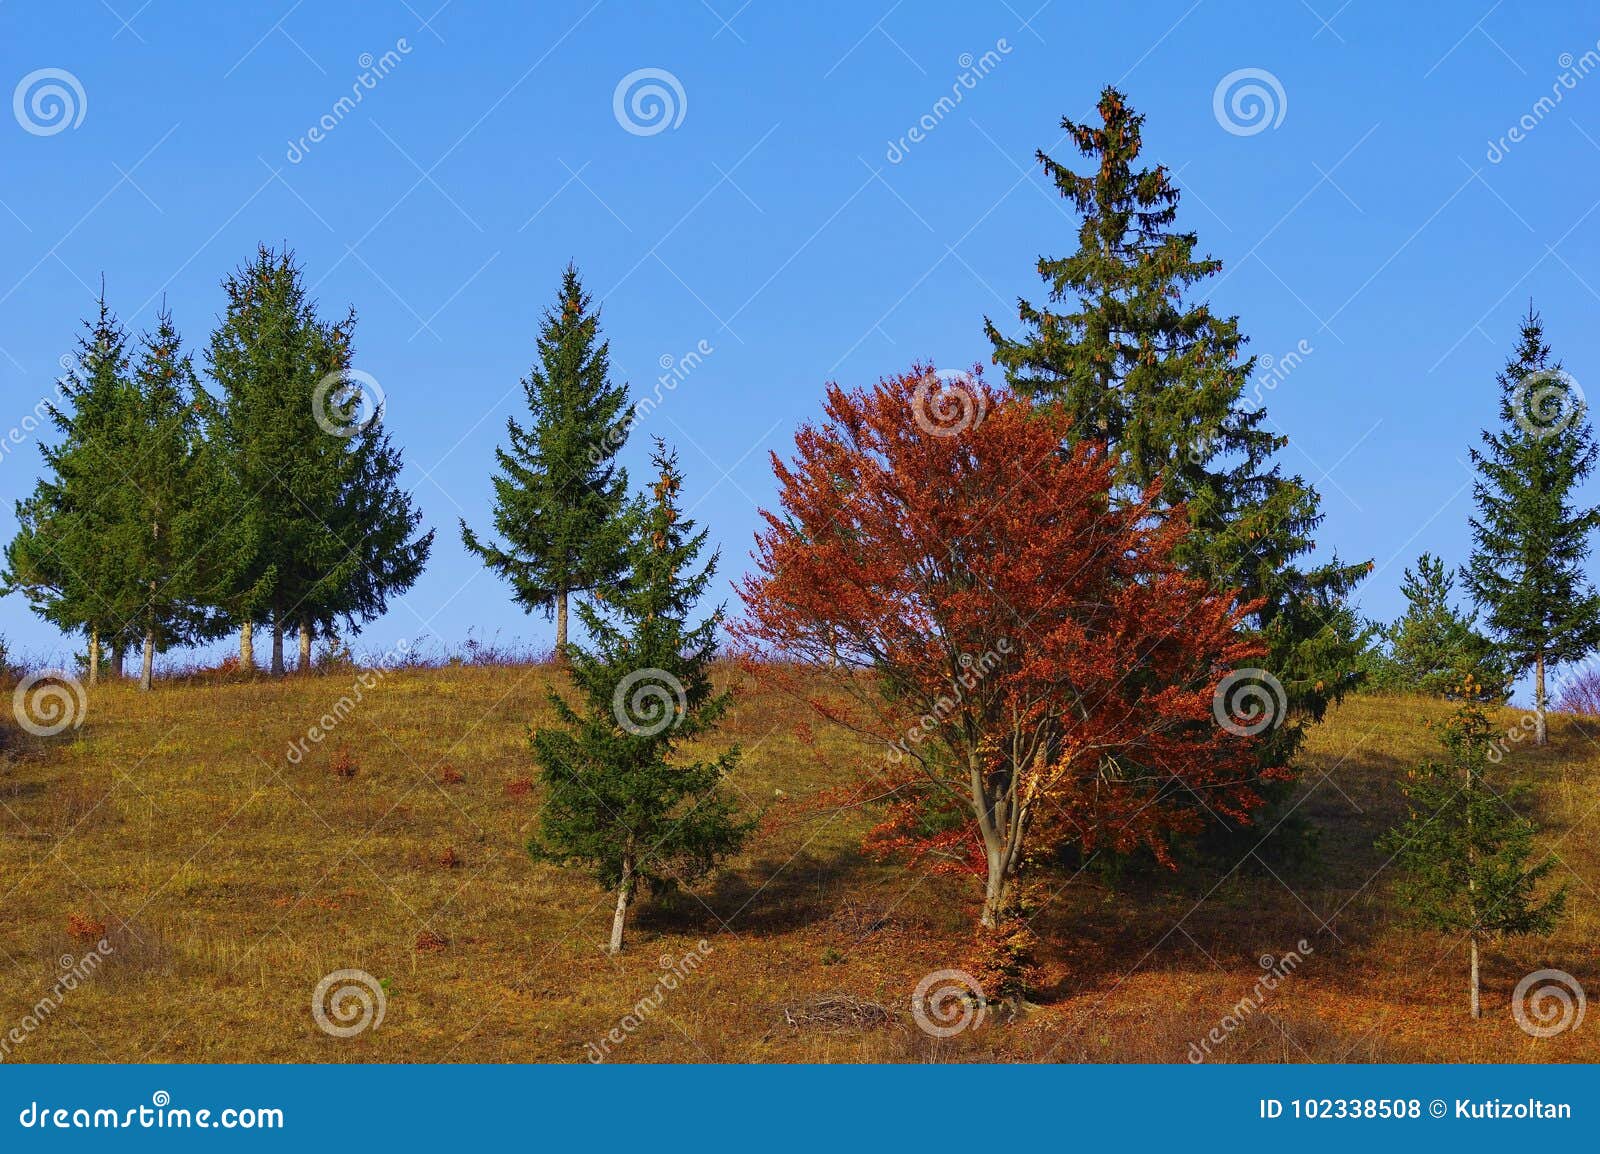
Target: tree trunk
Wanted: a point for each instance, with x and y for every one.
(94, 657)
(147, 663)
(305, 647)
(1540, 733)
(561, 625)
(624, 895)
(1476, 1011)
(119, 655)
(247, 647)
(994, 890)
(277, 644)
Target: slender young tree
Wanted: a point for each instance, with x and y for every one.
(558, 495)
(620, 798)
(1123, 348)
(1531, 534)
(59, 559)
(1465, 850)
(312, 471)
(1433, 647)
(171, 529)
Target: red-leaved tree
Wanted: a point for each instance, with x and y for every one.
(1036, 669)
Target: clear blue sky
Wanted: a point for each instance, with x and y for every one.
(769, 222)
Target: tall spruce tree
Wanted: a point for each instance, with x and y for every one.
(171, 530)
(59, 559)
(559, 496)
(1465, 850)
(1434, 647)
(313, 472)
(1530, 537)
(619, 799)
(1162, 380)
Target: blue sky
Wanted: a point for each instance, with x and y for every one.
(1383, 218)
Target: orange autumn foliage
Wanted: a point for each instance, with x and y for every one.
(1035, 667)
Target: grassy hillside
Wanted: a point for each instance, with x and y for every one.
(231, 879)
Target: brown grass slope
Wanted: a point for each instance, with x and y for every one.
(231, 880)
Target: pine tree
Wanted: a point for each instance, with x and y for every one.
(171, 530)
(314, 480)
(1464, 848)
(619, 799)
(1434, 647)
(558, 495)
(1125, 352)
(59, 560)
(1530, 538)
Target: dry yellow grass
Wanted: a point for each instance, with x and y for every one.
(231, 880)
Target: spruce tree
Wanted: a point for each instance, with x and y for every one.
(1530, 535)
(171, 531)
(558, 494)
(620, 799)
(315, 487)
(1465, 849)
(1434, 647)
(59, 559)
(1123, 347)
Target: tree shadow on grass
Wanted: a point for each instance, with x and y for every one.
(771, 895)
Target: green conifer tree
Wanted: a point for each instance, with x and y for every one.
(1162, 380)
(1465, 849)
(171, 530)
(620, 800)
(1434, 647)
(58, 559)
(311, 468)
(1530, 536)
(558, 495)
